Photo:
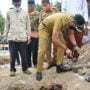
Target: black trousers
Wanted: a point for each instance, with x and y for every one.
(32, 51)
(14, 48)
(17, 58)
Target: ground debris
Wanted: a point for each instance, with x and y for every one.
(51, 86)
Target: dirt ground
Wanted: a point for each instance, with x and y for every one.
(69, 80)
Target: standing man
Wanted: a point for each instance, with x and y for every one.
(53, 27)
(86, 37)
(17, 31)
(76, 7)
(32, 48)
(47, 11)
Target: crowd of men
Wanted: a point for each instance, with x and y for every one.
(46, 36)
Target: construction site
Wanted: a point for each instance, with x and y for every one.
(74, 80)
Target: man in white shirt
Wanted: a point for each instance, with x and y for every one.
(17, 31)
(86, 37)
(75, 7)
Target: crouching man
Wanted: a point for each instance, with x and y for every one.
(53, 27)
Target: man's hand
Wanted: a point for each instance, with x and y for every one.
(29, 41)
(32, 13)
(77, 49)
(69, 53)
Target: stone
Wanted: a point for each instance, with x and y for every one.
(87, 76)
(51, 86)
(82, 71)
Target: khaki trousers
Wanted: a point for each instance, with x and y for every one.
(44, 44)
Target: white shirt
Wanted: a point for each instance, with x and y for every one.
(86, 38)
(17, 26)
(75, 7)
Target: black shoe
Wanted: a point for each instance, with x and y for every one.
(87, 78)
(51, 65)
(39, 76)
(61, 68)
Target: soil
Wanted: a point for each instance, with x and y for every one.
(51, 80)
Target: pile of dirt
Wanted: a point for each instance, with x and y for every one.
(82, 66)
(84, 57)
(83, 63)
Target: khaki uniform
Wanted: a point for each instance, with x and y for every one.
(42, 16)
(32, 48)
(58, 21)
(34, 19)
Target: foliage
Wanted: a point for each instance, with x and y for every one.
(38, 7)
(57, 5)
(2, 22)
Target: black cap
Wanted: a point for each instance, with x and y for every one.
(45, 1)
(16, 0)
(31, 2)
(79, 21)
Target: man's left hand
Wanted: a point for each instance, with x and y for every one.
(77, 49)
(29, 41)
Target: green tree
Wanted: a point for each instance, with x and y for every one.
(57, 5)
(38, 7)
(2, 22)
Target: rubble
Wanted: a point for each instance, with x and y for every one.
(82, 71)
(83, 63)
(51, 86)
(87, 76)
(51, 80)
(84, 57)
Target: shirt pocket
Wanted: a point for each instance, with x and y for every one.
(22, 19)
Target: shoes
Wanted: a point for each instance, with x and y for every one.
(51, 65)
(12, 74)
(61, 68)
(87, 79)
(39, 76)
(27, 72)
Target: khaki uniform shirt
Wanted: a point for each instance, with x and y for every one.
(17, 26)
(44, 14)
(34, 22)
(58, 21)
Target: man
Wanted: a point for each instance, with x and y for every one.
(17, 31)
(32, 48)
(53, 27)
(86, 38)
(76, 7)
(47, 11)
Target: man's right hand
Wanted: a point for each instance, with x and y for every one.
(29, 41)
(69, 53)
